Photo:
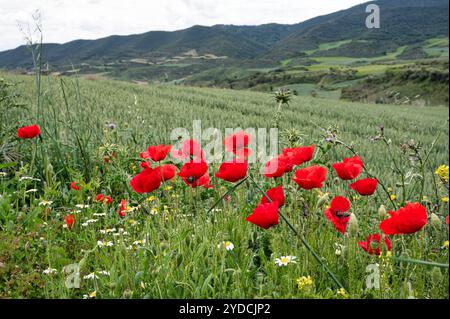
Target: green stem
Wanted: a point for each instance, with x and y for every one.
(231, 190)
(420, 262)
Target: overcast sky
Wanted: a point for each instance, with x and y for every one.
(66, 20)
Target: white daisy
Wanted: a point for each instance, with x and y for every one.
(90, 276)
(81, 206)
(103, 272)
(50, 271)
(228, 245)
(285, 260)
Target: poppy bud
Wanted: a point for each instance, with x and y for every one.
(436, 276)
(353, 225)
(382, 213)
(435, 221)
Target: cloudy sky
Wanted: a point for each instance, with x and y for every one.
(66, 20)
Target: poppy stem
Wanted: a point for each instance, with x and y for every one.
(231, 190)
(303, 240)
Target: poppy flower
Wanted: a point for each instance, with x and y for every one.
(123, 208)
(276, 195)
(146, 181)
(349, 169)
(336, 213)
(192, 148)
(233, 171)
(237, 143)
(167, 172)
(192, 171)
(203, 181)
(299, 155)
(311, 177)
(28, 132)
(158, 153)
(406, 220)
(276, 167)
(265, 215)
(365, 187)
(373, 244)
(69, 221)
(103, 199)
(74, 186)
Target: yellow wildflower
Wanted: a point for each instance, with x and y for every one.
(305, 282)
(342, 293)
(445, 244)
(151, 199)
(442, 172)
(168, 188)
(393, 197)
(445, 199)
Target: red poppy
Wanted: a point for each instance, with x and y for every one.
(373, 244)
(276, 195)
(192, 148)
(145, 165)
(265, 215)
(74, 186)
(123, 208)
(158, 153)
(276, 167)
(146, 181)
(446, 220)
(336, 213)
(233, 171)
(203, 181)
(27, 132)
(69, 221)
(407, 220)
(168, 172)
(103, 199)
(311, 177)
(299, 155)
(237, 143)
(192, 171)
(349, 169)
(365, 187)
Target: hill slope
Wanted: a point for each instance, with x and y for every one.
(403, 22)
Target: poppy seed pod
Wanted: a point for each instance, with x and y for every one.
(382, 213)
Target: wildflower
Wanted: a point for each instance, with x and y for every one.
(45, 203)
(311, 177)
(123, 208)
(157, 153)
(99, 214)
(445, 245)
(151, 199)
(365, 187)
(3, 174)
(150, 179)
(350, 168)
(192, 148)
(444, 199)
(407, 220)
(82, 206)
(233, 171)
(237, 143)
(168, 188)
(50, 271)
(277, 167)
(342, 293)
(373, 244)
(90, 276)
(299, 155)
(305, 283)
(103, 199)
(93, 294)
(265, 215)
(154, 211)
(285, 260)
(442, 172)
(74, 186)
(192, 171)
(28, 132)
(103, 272)
(102, 244)
(393, 197)
(336, 213)
(107, 231)
(228, 245)
(69, 221)
(276, 195)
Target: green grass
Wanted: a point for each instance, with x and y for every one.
(180, 258)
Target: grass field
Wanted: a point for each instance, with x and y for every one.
(167, 246)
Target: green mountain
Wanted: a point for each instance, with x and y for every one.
(403, 22)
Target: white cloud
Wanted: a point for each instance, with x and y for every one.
(66, 20)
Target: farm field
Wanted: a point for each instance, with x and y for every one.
(169, 243)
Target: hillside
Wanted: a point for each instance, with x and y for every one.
(403, 23)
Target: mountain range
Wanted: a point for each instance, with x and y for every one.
(403, 22)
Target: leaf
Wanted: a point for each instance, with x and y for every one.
(8, 165)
